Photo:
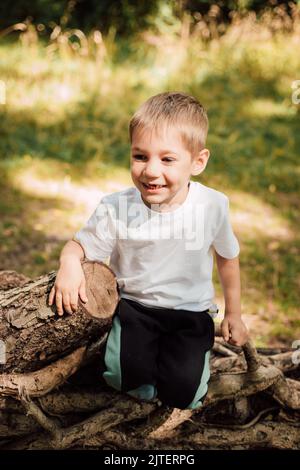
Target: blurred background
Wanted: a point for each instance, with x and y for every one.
(73, 72)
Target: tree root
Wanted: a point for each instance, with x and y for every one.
(149, 425)
(63, 438)
(40, 382)
(263, 435)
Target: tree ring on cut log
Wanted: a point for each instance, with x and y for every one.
(101, 290)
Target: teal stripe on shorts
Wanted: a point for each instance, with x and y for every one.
(202, 389)
(112, 375)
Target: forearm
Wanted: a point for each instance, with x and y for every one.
(229, 274)
(71, 251)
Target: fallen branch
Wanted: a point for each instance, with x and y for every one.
(41, 382)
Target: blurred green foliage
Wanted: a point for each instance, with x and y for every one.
(126, 17)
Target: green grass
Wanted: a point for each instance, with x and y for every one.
(66, 119)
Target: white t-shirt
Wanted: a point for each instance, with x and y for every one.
(162, 259)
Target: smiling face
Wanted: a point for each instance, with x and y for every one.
(162, 160)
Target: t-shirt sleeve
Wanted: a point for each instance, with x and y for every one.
(96, 237)
(225, 241)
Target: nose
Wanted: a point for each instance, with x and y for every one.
(152, 169)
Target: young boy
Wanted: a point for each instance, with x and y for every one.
(160, 236)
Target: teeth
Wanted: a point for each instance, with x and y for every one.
(154, 186)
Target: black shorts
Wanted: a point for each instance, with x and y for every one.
(159, 352)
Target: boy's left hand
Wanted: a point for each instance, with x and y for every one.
(234, 330)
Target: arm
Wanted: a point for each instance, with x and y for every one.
(92, 242)
(229, 275)
(70, 280)
(73, 250)
(233, 327)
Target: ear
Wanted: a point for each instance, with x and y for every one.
(200, 162)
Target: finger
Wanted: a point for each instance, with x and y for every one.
(74, 301)
(59, 306)
(82, 293)
(51, 296)
(66, 302)
(225, 329)
(236, 338)
(239, 336)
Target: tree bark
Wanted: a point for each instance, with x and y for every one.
(34, 335)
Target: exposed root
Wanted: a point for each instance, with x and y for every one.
(40, 382)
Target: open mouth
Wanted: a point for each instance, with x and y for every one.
(153, 187)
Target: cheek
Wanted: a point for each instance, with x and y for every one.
(135, 174)
(174, 173)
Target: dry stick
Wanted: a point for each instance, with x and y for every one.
(33, 410)
(40, 382)
(282, 361)
(15, 425)
(219, 348)
(176, 418)
(231, 386)
(264, 434)
(225, 344)
(251, 356)
(235, 426)
(287, 393)
(125, 410)
(13, 421)
(61, 403)
(228, 364)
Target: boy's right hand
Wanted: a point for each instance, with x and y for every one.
(70, 282)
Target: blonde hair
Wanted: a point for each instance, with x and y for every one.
(173, 109)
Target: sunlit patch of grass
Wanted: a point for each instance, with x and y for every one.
(255, 218)
(268, 108)
(81, 188)
(87, 173)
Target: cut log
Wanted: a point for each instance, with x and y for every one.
(32, 332)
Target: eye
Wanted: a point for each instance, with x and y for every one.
(138, 157)
(169, 159)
